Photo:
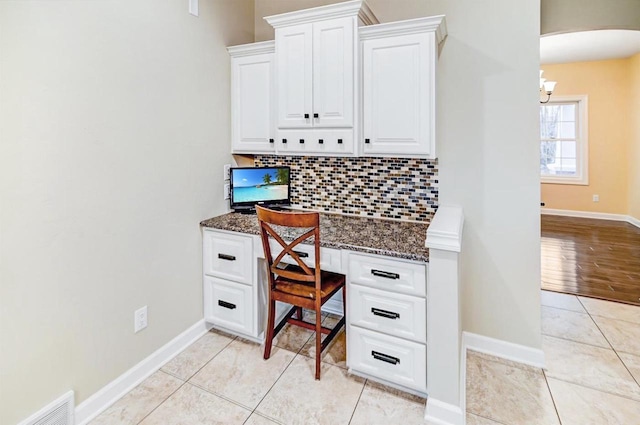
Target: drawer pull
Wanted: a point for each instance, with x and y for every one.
(226, 305)
(384, 274)
(227, 257)
(301, 254)
(385, 357)
(385, 313)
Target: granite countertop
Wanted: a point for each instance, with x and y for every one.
(375, 236)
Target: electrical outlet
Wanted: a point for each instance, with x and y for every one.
(596, 198)
(227, 171)
(227, 190)
(140, 319)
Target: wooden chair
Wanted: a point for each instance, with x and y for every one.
(299, 285)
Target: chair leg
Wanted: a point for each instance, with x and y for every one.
(318, 341)
(299, 312)
(344, 303)
(270, 324)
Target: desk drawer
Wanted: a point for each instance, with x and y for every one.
(392, 359)
(400, 315)
(228, 256)
(387, 274)
(330, 259)
(229, 305)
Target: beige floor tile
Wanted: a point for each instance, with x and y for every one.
(293, 337)
(571, 325)
(193, 406)
(240, 373)
(188, 362)
(479, 420)
(594, 367)
(380, 405)
(564, 301)
(633, 364)
(140, 401)
(335, 353)
(256, 419)
(297, 398)
(612, 310)
(578, 405)
(511, 395)
(624, 336)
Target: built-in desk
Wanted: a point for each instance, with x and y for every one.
(389, 304)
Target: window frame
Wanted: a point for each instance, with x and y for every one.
(582, 142)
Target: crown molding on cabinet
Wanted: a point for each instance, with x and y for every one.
(437, 24)
(366, 15)
(339, 10)
(252, 48)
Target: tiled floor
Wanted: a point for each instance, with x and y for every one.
(592, 350)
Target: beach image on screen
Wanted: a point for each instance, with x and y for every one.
(260, 184)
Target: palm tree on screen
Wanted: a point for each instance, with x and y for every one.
(282, 175)
(267, 178)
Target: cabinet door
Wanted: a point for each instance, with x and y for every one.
(398, 96)
(293, 59)
(252, 103)
(333, 72)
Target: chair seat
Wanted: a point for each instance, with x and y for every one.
(330, 283)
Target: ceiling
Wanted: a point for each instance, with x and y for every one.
(589, 46)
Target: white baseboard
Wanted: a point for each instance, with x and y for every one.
(503, 349)
(441, 413)
(105, 397)
(589, 214)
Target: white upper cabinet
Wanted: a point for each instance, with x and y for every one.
(316, 60)
(333, 72)
(295, 78)
(253, 98)
(398, 87)
(316, 73)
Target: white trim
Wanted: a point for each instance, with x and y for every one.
(503, 349)
(441, 413)
(592, 214)
(436, 24)
(331, 11)
(582, 140)
(252, 48)
(107, 395)
(65, 398)
(445, 230)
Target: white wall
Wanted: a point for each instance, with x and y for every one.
(487, 109)
(114, 125)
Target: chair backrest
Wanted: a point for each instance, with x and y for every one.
(300, 220)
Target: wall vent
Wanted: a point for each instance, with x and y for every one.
(58, 412)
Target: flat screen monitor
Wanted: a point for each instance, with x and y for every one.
(251, 186)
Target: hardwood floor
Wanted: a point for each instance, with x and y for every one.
(594, 258)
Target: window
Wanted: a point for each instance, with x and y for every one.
(563, 141)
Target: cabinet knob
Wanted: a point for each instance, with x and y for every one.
(367, 141)
(339, 141)
(306, 116)
(321, 141)
(284, 140)
(301, 140)
(271, 140)
(316, 116)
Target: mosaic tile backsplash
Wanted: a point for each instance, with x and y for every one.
(394, 188)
